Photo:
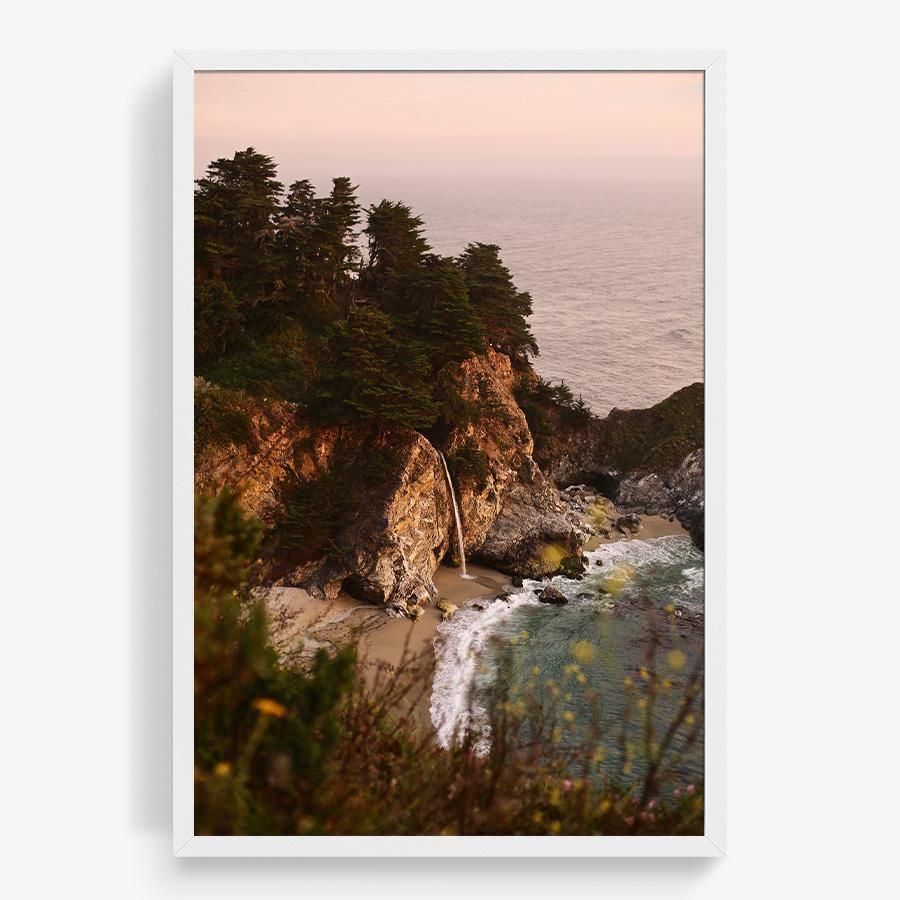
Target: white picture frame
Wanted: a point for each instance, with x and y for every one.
(189, 62)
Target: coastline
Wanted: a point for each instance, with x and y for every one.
(651, 527)
(302, 624)
(386, 643)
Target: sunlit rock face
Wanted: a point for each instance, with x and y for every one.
(392, 532)
(388, 497)
(511, 515)
(391, 505)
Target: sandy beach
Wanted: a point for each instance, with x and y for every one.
(302, 624)
(651, 527)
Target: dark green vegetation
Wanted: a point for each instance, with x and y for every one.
(548, 407)
(655, 439)
(221, 416)
(288, 306)
(286, 750)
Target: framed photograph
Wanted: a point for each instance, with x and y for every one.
(449, 453)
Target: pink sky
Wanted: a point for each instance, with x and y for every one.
(596, 126)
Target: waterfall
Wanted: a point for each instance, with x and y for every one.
(459, 532)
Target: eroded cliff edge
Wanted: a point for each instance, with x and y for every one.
(367, 509)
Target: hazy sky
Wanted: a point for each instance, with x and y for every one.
(597, 126)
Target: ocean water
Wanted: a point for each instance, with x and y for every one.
(615, 274)
(535, 646)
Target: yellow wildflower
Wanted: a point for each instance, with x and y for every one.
(222, 768)
(677, 659)
(569, 716)
(270, 707)
(582, 679)
(535, 671)
(645, 674)
(584, 652)
(618, 579)
(627, 681)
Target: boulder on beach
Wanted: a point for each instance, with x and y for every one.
(446, 608)
(553, 595)
(573, 567)
(630, 524)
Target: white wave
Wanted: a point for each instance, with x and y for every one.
(668, 550)
(463, 638)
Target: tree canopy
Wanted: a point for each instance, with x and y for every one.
(368, 332)
(503, 308)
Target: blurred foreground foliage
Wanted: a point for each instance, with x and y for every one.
(286, 750)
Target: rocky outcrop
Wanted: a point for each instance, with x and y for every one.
(492, 452)
(446, 609)
(367, 510)
(255, 465)
(376, 500)
(677, 493)
(553, 596)
(392, 533)
(532, 535)
(628, 524)
(511, 515)
(647, 461)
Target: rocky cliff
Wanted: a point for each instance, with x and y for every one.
(511, 513)
(648, 461)
(367, 510)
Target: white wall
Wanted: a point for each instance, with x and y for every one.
(813, 200)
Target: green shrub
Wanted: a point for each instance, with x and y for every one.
(277, 362)
(218, 321)
(221, 417)
(469, 460)
(547, 406)
(313, 514)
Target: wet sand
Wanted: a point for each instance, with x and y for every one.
(301, 624)
(651, 527)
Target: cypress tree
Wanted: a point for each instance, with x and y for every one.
(396, 243)
(440, 312)
(374, 374)
(503, 308)
(235, 207)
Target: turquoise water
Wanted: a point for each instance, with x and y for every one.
(589, 654)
